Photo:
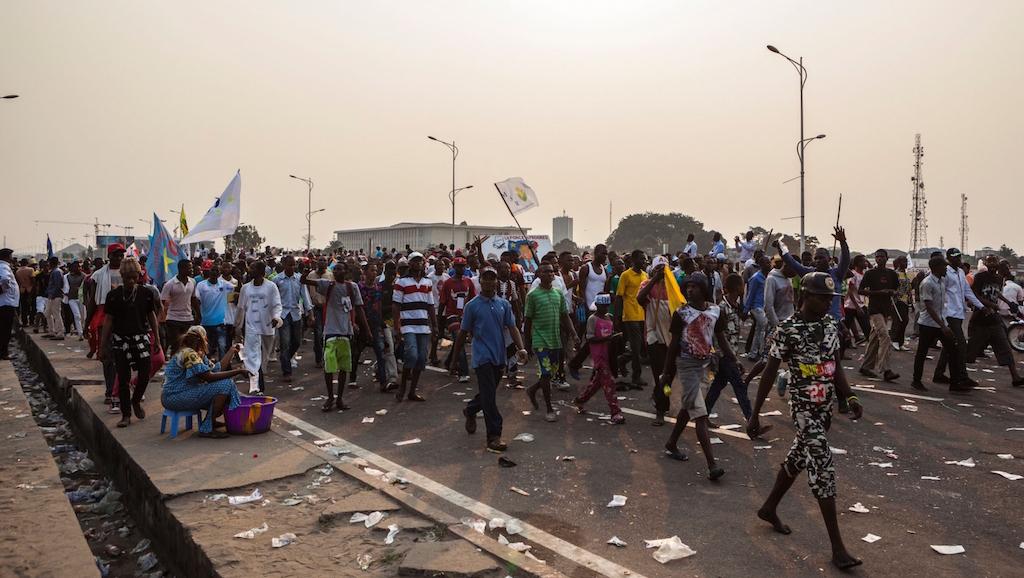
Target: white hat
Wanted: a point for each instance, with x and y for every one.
(415, 254)
(658, 260)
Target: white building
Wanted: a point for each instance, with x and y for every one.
(561, 228)
(417, 235)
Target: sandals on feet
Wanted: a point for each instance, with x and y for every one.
(327, 405)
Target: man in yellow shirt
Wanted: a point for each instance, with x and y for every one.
(629, 315)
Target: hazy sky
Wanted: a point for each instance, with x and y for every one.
(132, 107)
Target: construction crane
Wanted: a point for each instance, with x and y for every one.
(96, 225)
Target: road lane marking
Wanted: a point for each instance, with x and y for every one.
(896, 393)
(565, 549)
(724, 432)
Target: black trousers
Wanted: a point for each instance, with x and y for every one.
(955, 356)
(926, 339)
(27, 307)
(898, 330)
(7, 315)
(635, 333)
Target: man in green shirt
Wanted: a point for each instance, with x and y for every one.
(546, 316)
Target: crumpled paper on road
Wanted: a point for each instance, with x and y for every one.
(369, 520)
(669, 549)
(617, 501)
(616, 541)
(957, 549)
(253, 532)
(968, 463)
(283, 540)
(255, 496)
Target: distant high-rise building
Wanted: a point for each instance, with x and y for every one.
(561, 228)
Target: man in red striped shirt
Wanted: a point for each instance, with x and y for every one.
(414, 320)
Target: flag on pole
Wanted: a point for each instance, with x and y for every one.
(183, 225)
(164, 254)
(49, 247)
(517, 195)
(222, 218)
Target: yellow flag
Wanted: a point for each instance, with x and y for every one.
(183, 226)
(675, 296)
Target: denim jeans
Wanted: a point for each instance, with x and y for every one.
(318, 335)
(728, 374)
(289, 337)
(487, 377)
(760, 331)
(217, 337)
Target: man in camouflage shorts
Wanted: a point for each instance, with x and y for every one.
(809, 343)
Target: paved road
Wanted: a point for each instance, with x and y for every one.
(967, 506)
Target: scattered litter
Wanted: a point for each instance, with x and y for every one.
(475, 523)
(968, 463)
(407, 442)
(381, 412)
(141, 547)
(283, 540)
(31, 487)
(392, 532)
(295, 432)
(988, 371)
(932, 478)
(837, 451)
(615, 541)
(716, 441)
(871, 538)
(965, 405)
(147, 562)
(1015, 429)
(255, 496)
(369, 520)
(519, 491)
(290, 502)
(910, 408)
(364, 561)
(318, 398)
(373, 472)
(593, 443)
(565, 458)
(1009, 476)
(527, 412)
(881, 464)
(513, 526)
(1005, 456)
(329, 442)
(393, 478)
(325, 470)
(18, 435)
(762, 447)
(496, 523)
(252, 533)
(617, 501)
(859, 508)
(367, 420)
(958, 549)
(772, 412)
(517, 546)
(669, 549)
(21, 415)
(523, 437)
(731, 426)
(534, 558)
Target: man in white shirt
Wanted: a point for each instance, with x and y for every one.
(1012, 291)
(179, 299)
(746, 247)
(258, 316)
(691, 246)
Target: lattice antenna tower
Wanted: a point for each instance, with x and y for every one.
(919, 221)
(964, 228)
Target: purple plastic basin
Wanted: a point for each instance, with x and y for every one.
(252, 416)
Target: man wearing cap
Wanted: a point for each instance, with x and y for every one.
(414, 320)
(454, 294)
(486, 317)
(102, 281)
(658, 311)
(957, 292)
(9, 300)
(809, 342)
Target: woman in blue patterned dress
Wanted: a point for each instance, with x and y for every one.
(192, 382)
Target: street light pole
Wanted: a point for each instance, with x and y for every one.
(799, 66)
(451, 196)
(309, 208)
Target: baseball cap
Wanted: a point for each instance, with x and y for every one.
(952, 252)
(818, 283)
(415, 255)
(403, 261)
(489, 272)
(114, 247)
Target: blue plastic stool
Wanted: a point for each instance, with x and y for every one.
(174, 415)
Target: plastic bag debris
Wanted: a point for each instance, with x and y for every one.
(859, 508)
(253, 532)
(292, 501)
(381, 412)
(326, 442)
(910, 408)
(394, 478)
(513, 526)
(1005, 456)
(364, 561)
(325, 470)
(373, 472)
(1009, 476)
(730, 426)
(369, 520)
(669, 549)
(881, 464)
(295, 432)
(871, 538)
(496, 523)
(523, 437)
(109, 504)
(519, 491)
(367, 420)
(392, 532)
(770, 413)
(534, 558)
(837, 451)
(475, 523)
(408, 442)
(762, 447)
(715, 441)
(255, 496)
(565, 458)
(147, 562)
(617, 542)
(968, 463)
(957, 549)
(932, 478)
(617, 501)
(283, 540)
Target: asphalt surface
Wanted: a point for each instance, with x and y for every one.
(967, 506)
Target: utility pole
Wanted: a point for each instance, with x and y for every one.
(919, 222)
(964, 229)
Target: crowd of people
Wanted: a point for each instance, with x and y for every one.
(681, 315)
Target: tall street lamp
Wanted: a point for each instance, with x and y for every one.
(451, 195)
(799, 66)
(309, 207)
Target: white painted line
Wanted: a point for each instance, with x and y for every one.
(724, 432)
(896, 393)
(555, 544)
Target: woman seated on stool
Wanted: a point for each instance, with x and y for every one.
(192, 383)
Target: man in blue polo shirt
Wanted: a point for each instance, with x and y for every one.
(487, 317)
(213, 306)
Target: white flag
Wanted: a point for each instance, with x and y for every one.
(222, 218)
(517, 194)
